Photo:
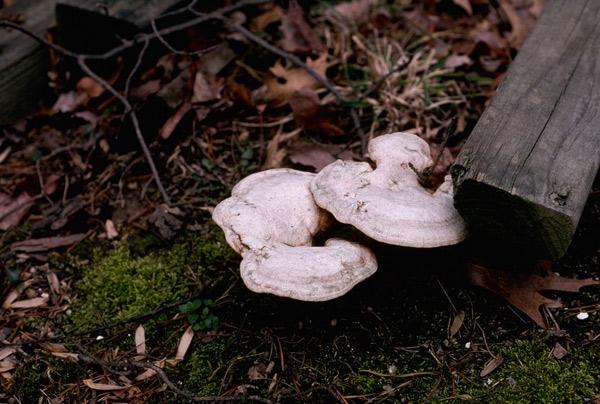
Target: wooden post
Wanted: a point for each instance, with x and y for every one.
(24, 63)
(524, 174)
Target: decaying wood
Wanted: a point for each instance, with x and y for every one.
(526, 171)
(24, 62)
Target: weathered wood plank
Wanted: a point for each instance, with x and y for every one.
(525, 172)
(24, 63)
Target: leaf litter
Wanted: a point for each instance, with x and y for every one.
(213, 118)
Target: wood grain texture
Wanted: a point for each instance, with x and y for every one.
(525, 172)
(24, 63)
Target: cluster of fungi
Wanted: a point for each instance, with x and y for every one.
(273, 216)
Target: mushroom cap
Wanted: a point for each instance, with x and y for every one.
(270, 219)
(388, 204)
(308, 273)
(273, 206)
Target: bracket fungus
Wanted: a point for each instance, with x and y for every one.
(388, 203)
(271, 219)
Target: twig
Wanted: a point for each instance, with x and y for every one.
(127, 44)
(162, 374)
(298, 62)
(138, 62)
(136, 125)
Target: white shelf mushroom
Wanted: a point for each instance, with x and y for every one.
(270, 219)
(388, 204)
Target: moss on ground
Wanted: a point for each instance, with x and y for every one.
(201, 366)
(140, 275)
(46, 375)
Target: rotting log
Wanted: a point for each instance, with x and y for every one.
(524, 174)
(24, 62)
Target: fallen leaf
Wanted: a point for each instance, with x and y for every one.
(145, 90)
(455, 61)
(171, 123)
(7, 365)
(53, 347)
(205, 88)
(102, 386)
(282, 82)
(559, 351)
(265, 19)
(66, 355)
(53, 282)
(10, 298)
(90, 87)
(317, 155)
(111, 231)
(457, 323)
(491, 365)
(518, 29)
(465, 4)
(275, 152)
(6, 352)
(298, 36)
(140, 340)
(522, 288)
(164, 219)
(311, 115)
(12, 211)
(184, 343)
(356, 11)
(29, 303)
(213, 61)
(177, 90)
(48, 243)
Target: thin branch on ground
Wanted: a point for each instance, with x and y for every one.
(110, 365)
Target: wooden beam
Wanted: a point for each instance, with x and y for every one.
(24, 63)
(524, 174)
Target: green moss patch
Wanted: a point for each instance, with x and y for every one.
(137, 277)
(200, 368)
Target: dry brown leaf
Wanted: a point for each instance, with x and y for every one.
(145, 90)
(559, 351)
(491, 365)
(522, 288)
(90, 87)
(29, 303)
(102, 386)
(140, 340)
(184, 343)
(275, 152)
(465, 4)
(260, 22)
(66, 355)
(10, 298)
(457, 323)
(518, 29)
(455, 61)
(6, 352)
(111, 230)
(177, 90)
(205, 88)
(53, 282)
(48, 243)
(317, 155)
(145, 375)
(13, 210)
(298, 36)
(171, 123)
(311, 115)
(165, 220)
(7, 365)
(284, 82)
(356, 11)
(53, 347)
